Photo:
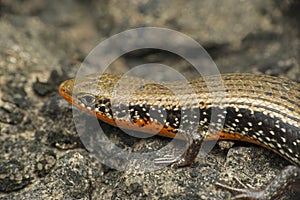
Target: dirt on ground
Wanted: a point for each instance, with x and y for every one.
(45, 42)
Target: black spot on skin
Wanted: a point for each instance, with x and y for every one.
(137, 112)
(292, 102)
(107, 105)
(269, 93)
(284, 97)
(172, 115)
(142, 88)
(201, 103)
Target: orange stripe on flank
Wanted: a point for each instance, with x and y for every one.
(157, 128)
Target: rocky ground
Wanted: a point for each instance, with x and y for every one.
(44, 42)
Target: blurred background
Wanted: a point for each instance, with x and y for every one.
(240, 35)
(44, 42)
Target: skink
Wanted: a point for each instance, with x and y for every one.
(259, 109)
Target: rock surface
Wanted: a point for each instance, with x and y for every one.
(44, 42)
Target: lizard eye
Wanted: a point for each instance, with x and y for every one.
(87, 99)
